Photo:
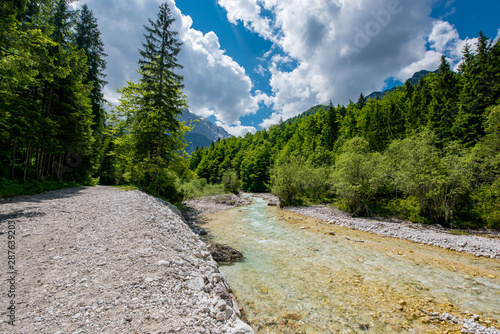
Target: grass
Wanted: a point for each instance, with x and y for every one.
(10, 188)
(459, 232)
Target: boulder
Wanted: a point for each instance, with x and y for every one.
(223, 253)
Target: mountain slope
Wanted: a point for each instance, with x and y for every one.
(204, 132)
(413, 80)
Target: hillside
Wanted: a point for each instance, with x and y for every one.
(413, 80)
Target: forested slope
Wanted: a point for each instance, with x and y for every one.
(428, 152)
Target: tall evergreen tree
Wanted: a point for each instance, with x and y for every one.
(159, 132)
(443, 105)
(332, 127)
(88, 37)
(476, 93)
(361, 101)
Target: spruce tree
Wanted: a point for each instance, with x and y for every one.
(88, 37)
(443, 105)
(476, 94)
(159, 132)
(332, 127)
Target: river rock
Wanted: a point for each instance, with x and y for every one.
(241, 328)
(223, 253)
(143, 269)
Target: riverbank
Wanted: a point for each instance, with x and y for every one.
(101, 259)
(478, 243)
(301, 274)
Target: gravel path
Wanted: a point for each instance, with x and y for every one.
(105, 260)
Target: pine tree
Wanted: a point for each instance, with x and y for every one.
(443, 105)
(88, 38)
(332, 127)
(476, 94)
(159, 132)
(361, 101)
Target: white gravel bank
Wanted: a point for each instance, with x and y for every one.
(104, 260)
(430, 235)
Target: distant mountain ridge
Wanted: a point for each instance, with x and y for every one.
(413, 80)
(204, 132)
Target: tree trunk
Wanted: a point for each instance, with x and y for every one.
(28, 153)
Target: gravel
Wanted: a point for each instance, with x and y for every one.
(425, 234)
(105, 260)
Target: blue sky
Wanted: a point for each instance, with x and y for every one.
(249, 63)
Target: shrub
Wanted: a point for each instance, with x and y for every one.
(358, 176)
(230, 182)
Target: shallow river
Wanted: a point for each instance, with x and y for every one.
(302, 275)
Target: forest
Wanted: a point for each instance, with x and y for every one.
(427, 153)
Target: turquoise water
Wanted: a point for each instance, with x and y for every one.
(297, 278)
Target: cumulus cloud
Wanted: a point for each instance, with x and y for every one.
(214, 83)
(341, 47)
(443, 40)
(237, 129)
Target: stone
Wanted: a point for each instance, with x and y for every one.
(221, 305)
(223, 253)
(241, 328)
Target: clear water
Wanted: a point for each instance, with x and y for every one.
(298, 278)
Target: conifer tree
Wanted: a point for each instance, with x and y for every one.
(476, 91)
(332, 127)
(88, 37)
(159, 132)
(443, 107)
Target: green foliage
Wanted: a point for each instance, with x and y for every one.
(231, 182)
(406, 208)
(197, 187)
(439, 180)
(147, 135)
(293, 180)
(358, 176)
(9, 188)
(487, 204)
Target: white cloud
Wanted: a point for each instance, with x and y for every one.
(214, 83)
(341, 47)
(444, 40)
(237, 129)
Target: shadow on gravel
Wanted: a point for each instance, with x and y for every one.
(18, 214)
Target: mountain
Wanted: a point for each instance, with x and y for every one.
(204, 132)
(413, 80)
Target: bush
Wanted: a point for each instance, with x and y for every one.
(407, 209)
(487, 208)
(294, 180)
(358, 176)
(440, 180)
(231, 182)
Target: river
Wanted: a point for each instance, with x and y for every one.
(302, 275)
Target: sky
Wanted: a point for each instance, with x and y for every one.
(247, 64)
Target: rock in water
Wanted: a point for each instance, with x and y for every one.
(223, 253)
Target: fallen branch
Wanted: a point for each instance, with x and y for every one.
(354, 240)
